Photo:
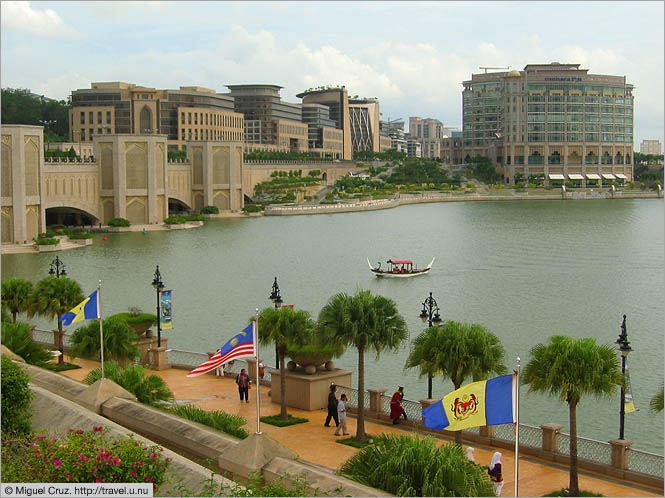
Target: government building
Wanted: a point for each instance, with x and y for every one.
(551, 121)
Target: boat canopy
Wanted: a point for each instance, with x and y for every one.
(395, 262)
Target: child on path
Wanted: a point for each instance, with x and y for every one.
(341, 411)
(495, 473)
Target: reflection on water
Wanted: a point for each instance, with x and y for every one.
(525, 269)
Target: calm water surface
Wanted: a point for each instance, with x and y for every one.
(525, 269)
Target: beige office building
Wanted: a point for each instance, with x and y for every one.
(337, 101)
(189, 114)
(653, 147)
(555, 121)
(364, 121)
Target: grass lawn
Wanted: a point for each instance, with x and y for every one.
(564, 492)
(275, 420)
(54, 367)
(351, 441)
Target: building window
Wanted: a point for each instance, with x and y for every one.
(91, 131)
(91, 117)
(182, 133)
(108, 117)
(99, 131)
(82, 117)
(196, 118)
(82, 134)
(189, 116)
(206, 118)
(196, 132)
(99, 117)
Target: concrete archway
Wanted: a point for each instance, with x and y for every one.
(69, 216)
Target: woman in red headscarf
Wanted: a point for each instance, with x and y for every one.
(396, 409)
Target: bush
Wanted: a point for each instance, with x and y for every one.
(46, 242)
(175, 220)
(209, 210)
(93, 456)
(569, 184)
(519, 185)
(137, 320)
(277, 421)
(16, 396)
(631, 185)
(16, 337)
(409, 466)
(119, 340)
(531, 185)
(194, 217)
(224, 422)
(643, 186)
(252, 208)
(151, 389)
(119, 222)
(548, 187)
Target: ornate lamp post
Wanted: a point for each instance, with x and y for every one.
(624, 347)
(430, 315)
(276, 298)
(57, 268)
(158, 285)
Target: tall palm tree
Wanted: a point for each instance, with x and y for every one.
(53, 297)
(284, 327)
(656, 403)
(16, 295)
(367, 322)
(568, 369)
(457, 351)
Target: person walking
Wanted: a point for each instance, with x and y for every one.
(341, 411)
(396, 408)
(495, 473)
(243, 385)
(332, 407)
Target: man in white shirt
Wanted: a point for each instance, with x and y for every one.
(341, 411)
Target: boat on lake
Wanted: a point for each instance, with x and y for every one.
(399, 268)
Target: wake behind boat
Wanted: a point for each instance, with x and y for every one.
(399, 269)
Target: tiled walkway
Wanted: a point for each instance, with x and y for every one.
(316, 444)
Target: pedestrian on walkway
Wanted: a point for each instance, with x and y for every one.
(396, 408)
(495, 473)
(332, 406)
(341, 411)
(243, 385)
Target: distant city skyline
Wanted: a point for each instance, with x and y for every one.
(411, 56)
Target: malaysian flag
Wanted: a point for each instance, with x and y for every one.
(239, 346)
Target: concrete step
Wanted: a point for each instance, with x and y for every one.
(19, 248)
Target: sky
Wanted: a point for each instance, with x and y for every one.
(412, 56)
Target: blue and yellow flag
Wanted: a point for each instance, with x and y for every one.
(487, 402)
(87, 310)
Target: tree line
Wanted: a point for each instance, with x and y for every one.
(20, 106)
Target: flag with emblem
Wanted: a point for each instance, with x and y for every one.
(87, 310)
(487, 402)
(239, 346)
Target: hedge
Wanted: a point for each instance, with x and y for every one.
(119, 222)
(16, 396)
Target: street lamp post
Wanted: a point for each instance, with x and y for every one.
(276, 298)
(47, 123)
(158, 285)
(430, 315)
(624, 347)
(57, 268)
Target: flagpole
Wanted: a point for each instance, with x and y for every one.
(517, 426)
(258, 380)
(101, 332)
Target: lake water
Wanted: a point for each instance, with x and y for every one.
(525, 269)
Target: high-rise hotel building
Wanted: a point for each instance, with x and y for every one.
(554, 120)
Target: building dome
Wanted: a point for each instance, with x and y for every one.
(513, 74)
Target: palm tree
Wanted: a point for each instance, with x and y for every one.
(656, 403)
(16, 337)
(365, 321)
(457, 351)
(53, 297)
(119, 340)
(149, 389)
(568, 369)
(284, 327)
(16, 295)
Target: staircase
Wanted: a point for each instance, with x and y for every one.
(19, 249)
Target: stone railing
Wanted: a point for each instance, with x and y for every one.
(68, 160)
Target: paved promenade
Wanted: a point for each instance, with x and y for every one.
(316, 444)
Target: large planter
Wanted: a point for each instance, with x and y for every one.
(311, 358)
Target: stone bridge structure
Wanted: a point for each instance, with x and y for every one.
(129, 177)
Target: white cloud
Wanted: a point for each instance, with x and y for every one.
(61, 85)
(20, 16)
